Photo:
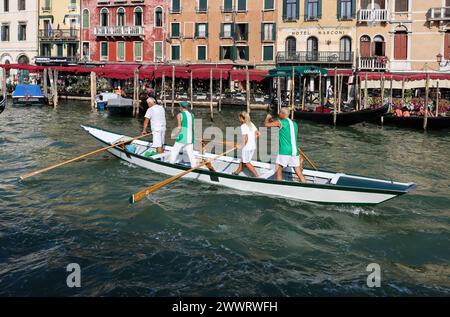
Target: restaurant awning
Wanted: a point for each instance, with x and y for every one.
(286, 71)
(254, 74)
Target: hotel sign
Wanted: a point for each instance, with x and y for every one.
(336, 32)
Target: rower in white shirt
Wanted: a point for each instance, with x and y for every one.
(156, 116)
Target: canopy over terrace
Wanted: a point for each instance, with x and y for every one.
(286, 71)
(406, 81)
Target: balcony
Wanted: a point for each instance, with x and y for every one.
(373, 15)
(119, 31)
(438, 14)
(315, 57)
(59, 35)
(375, 63)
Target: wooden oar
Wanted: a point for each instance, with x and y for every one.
(144, 193)
(313, 165)
(80, 157)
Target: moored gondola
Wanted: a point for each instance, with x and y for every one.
(2, 103)
(342, 118)
(414, 122)
(28, 95)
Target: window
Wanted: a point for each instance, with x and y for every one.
(269, 5)
(379, 46)
(290, 10)
(242, 5)
(241, 32)
(138, 51)
(159, 17)
(226, 52)
(158, 49)
(121, 17)
(447, 46)
(104, 17)
(401, 45)
(227, 6)
(401, 5)
(5, 33)
(59, 50)
(313, 8)
(176, 7)
(365, 46)
(85, 21)
(104, 51)
(47, 5)
(138, 16)
(346, 9)
(201, 53)
(86, 51)
(120, 51)
(226, 30)
(45, 50)
(175, 50)
(268, 32)
(268, 53)
(291, 47)
(21, 5)
(201, 30)
(22, 32)
(242, 53)
(345, 49)
(202, 6)
(175, 30)
(312, 48)
(6, 5)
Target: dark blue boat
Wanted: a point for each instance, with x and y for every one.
(28, 95)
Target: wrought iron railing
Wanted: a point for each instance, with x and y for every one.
(326, 57)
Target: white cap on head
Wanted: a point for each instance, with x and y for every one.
(151, 100)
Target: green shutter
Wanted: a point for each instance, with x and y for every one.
(196, 29)
(247, 53)
(203, 4)
(221, 52)
(175, 29)
(268, 5)
(246, 32)
(206, 30)
(319, 9)
(298, 8)
(59, 50)
(274, 31)
(176, 5)
(262, 31)
(353, 9)
(284, 9)
(268, 53)
(228, 5)
(339, 9)
(306, 13)
(201, 53)
(242, 5)
(121, 50)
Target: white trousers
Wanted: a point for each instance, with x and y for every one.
(158, 138)
(186, 148)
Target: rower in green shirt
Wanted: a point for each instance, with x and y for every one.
(288, 155)
(185, 135)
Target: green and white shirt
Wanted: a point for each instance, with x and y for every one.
(186, 135)
(288, 138)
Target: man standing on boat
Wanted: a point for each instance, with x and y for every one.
(156, 116)
(288, 155)
(184, 134)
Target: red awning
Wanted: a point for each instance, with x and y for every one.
(343, 72)
(403, 76)
(28, 67)
(254, 74)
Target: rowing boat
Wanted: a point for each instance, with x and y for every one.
(321, 186)
(29, 95)
(342, 118)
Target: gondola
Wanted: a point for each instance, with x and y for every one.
(29, 95)
(414, 122)
(2, 103)
(342, 118)
(321, 186)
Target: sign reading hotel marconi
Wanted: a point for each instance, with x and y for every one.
(319, 32)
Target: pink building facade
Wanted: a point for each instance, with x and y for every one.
(123, 31)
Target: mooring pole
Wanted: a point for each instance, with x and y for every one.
(173, 90)
(191, 90)
(437, 98)
(211, 108)
(247, 81)
(220, 91)
(427, 92)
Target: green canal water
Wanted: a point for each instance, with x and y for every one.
(194, 239)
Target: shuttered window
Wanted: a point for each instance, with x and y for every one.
(268, 52)
(401, 5)
(269, 4)
(104, 50)
(138, 51)
(401, 46)
(120, 51)
(175, 52)
(242, 5)
(175, 29)
(201, 53)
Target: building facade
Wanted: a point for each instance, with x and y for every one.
(317, 32)
(240, 32)
(123, 31)
(18, 38)
(59, 32)
(403, 35)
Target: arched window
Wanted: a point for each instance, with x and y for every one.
(104, 17)
(158, 17)
(379, 46)
(312, 48)
(291, 47)
(85, 21)
(401, 45)
(365, 46)
(138, 21)
(346, 49)
(121, 17)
